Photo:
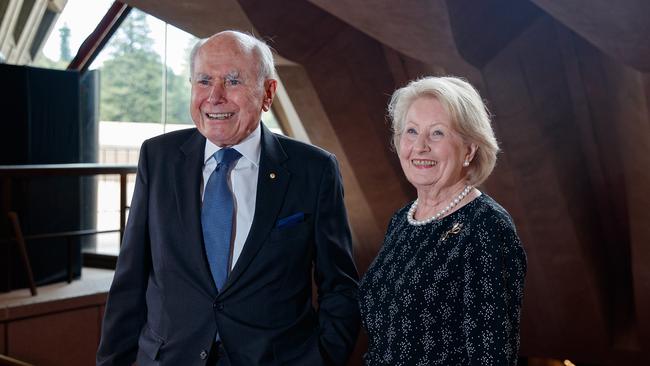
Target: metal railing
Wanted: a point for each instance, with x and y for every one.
(10, 172)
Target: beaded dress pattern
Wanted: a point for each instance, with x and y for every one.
(446, 293)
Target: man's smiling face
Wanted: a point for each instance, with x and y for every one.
(228, 95)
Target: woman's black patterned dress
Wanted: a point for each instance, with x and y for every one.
(446, 293)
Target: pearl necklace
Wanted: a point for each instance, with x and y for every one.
(410, 216)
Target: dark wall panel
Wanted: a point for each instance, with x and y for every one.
(605, 120)
(559, 107)
(41, 126)
(534, 118)
(2, 339)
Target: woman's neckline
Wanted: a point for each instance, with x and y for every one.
(457, 207)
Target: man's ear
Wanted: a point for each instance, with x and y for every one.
(270, 87)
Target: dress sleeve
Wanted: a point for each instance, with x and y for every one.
(494, 271)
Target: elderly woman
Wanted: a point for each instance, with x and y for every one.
(447, 286)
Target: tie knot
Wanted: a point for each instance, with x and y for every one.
(226, 156)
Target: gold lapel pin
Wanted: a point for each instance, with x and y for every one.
(272, 175)
(453, 231)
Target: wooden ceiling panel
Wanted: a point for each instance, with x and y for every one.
(481, 29)
(201, 18)
(620, 28)
(425, 25)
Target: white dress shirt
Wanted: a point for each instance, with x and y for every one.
(243, 181)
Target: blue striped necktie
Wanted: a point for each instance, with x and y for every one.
(217, 215)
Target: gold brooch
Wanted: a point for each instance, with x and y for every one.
(453, 231)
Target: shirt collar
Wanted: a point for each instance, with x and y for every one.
(250, 147)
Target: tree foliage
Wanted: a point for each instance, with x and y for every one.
(178, 91)
(131, 78)
(47, 63)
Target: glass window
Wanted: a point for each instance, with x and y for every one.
(135, 104)
(77, 20)
(177, 93)
(131, 72)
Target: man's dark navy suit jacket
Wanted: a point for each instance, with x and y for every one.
(163, 307)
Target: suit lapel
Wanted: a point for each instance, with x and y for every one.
(272, 183)
(188, 170)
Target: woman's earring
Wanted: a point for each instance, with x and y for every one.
(466, 163)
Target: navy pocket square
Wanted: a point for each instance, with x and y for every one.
(290, 221)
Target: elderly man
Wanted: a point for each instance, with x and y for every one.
(227, 225)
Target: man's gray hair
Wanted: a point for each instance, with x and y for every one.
(249, 43)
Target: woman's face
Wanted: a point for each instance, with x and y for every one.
(430, 151)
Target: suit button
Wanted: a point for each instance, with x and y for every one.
(218, 305)
(203, 354)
